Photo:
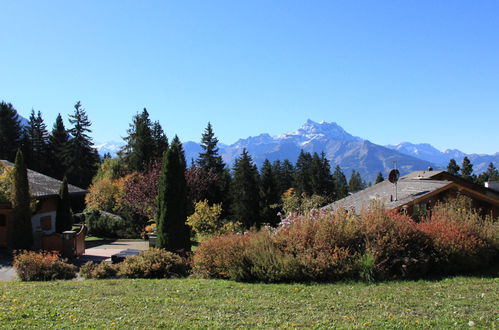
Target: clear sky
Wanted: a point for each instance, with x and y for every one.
(387, 71)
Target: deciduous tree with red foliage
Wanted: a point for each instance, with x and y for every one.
(141, 190)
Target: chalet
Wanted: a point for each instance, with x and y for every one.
(417, 192)
(46, 191)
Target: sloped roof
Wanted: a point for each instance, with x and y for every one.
(384, 192)
(41, 185)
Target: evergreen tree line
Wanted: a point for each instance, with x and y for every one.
(58, 153)
(465, 171)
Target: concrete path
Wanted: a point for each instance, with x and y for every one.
(103, 250)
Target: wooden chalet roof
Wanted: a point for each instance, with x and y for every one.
(411, 189)
(43, 186)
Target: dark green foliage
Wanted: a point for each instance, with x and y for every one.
(58, 141)
(37, 137)
(160, 140)
(21, 231)
(173, 233)
(210, 161)
(269, 194)
(10, 131)
(491, 174)
(379, 178)
(64, 216)
(466, 169)
(284, 173)
(453, 168)
(321, 178)
(105, 224)
(356, 184)
(140, 148)
(303, 174)
(245, 191)
(340, 183)
(80, 158)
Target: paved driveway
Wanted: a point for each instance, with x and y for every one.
(103, 250)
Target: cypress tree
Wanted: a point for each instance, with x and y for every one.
(81, 159)
(58, 141)
(64, 216)
(10, 131)
(21, 230)
(140, 145)
(173, 233)
(245, 192)
(340, 183)
(466, 169)
(269, 194)
(379, 178)
(452, 167)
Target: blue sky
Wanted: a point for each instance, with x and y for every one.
(392, 71)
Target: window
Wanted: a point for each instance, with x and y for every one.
(3, 220)
(46, 222)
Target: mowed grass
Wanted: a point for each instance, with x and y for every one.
(448, 303)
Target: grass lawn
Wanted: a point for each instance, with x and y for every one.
(448, 303)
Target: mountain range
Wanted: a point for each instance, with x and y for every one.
(340, 147)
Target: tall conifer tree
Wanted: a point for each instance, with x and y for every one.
(21, 230)
(467, 169)
(58, 141)
(245, 192)
(81, 160)
(159, 139)
(303, 173)
(173, 233)
(452, 167)
(340, 183)
(10, 131)
(356, 183)
(38, 137)
(139, 150)
(379, 178)
(269, 194)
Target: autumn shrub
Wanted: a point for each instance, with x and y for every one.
(462, 239)
(100, 270)
(154, 263)
(398, 248)
(222, 257)
(42, 266)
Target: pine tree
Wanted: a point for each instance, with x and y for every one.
(269, 194)
(245, 192)
(490, 175)
(453, 168)
(209, 160)
(64, 216)
(10, 132)
(21, 230)
(340, 183)
(321, 178)
(466, 169)
(356, 184)
(38, 137)
(173, 233)
(58, 141)
(81, 160)
(285, 173)
(140, 146)
(303, 174)
(160, 140)
(379, 178)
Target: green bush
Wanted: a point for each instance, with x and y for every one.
(154, 263)
(93, 270)
(43, 266)
(105, 224)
